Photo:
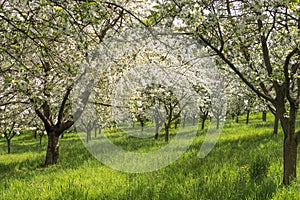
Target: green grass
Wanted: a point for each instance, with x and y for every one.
(225, 173)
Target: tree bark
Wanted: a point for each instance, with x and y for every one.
(276, 124)
(52, 154)
(88, 135)
(8, 145)
(264, 116)
(247, 116)
(290, 145)
(203, 117)
(203, 123)
(290, 160)
(142, 125)
(166, 132)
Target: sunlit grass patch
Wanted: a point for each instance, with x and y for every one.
(225, 173)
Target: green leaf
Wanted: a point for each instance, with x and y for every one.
(92, 3)
(58, 8)
(146, 21)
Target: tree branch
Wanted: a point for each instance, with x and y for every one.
(265, 48)
(127, 11)
(43, 118)
(241, 76)
(63, 104)
(286, 72)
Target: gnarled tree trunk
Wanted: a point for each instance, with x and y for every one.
(52, 154)
(53, 133)
(291, 141)
(276, 125)
(290, 160)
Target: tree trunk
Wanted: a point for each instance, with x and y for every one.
(237, 119)
(142, 126)
(275, 128)
(156, 131)
(166, 132)
(88, 135)
(203, 123)
(290, 145)
(290, 160)
(184, 120)
(264, 116)
(52, 149)
(247, 116)
(8, 145)
(177, 122)
(95, 132)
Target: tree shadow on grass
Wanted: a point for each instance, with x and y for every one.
(73, 155)
(20, 168)
(30, 156)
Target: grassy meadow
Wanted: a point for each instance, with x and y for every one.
(246, 163)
